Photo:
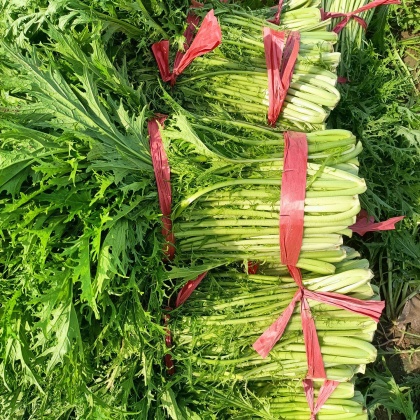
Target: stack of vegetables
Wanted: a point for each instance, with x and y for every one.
(81, 224)
(218, 324)
(234, 216)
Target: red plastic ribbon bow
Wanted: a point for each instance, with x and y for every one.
(353, 15)
(365, 223)
(280, 60)
(208, 37)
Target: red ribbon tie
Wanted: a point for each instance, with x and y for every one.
(208, 37)
(353, 15)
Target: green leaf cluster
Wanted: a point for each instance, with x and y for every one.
(81, 277)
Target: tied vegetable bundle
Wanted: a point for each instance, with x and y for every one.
(232, 80)
(287, 400)
(213, 332)
(351, 34)
(275, 400)
(78, 215)
(233, 211)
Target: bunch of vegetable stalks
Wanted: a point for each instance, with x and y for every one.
(287, 401)
(237, 218)
(233, 78)
(213, 331)
(353, 34)
(278, 400)
(233, 214)
(206, 139)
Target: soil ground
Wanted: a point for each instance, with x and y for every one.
(401, 343)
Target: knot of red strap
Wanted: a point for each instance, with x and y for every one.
(208, 37)
(353, 15)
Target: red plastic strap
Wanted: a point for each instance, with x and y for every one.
(161, 52)
(292, 199)
(163, 181)
(324, 393)
(192, 20)
(370, 308)
(353, 15)
(273, 46)
(276, 18)
(291, 236)
(365, 223)
(170, 366)
(290, 55)
(208, 37)
(280, 61)
(252, 267)
(163, 176)
(188, 288)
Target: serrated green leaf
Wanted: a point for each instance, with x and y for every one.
(170, 405)
(81, 273)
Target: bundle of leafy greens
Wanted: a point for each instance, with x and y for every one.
(273, 400)
(213, 332)
(353, 35)
(223, 377)
(232, 80)
(232, 208)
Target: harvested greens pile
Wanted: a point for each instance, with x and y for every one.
(97, 318)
